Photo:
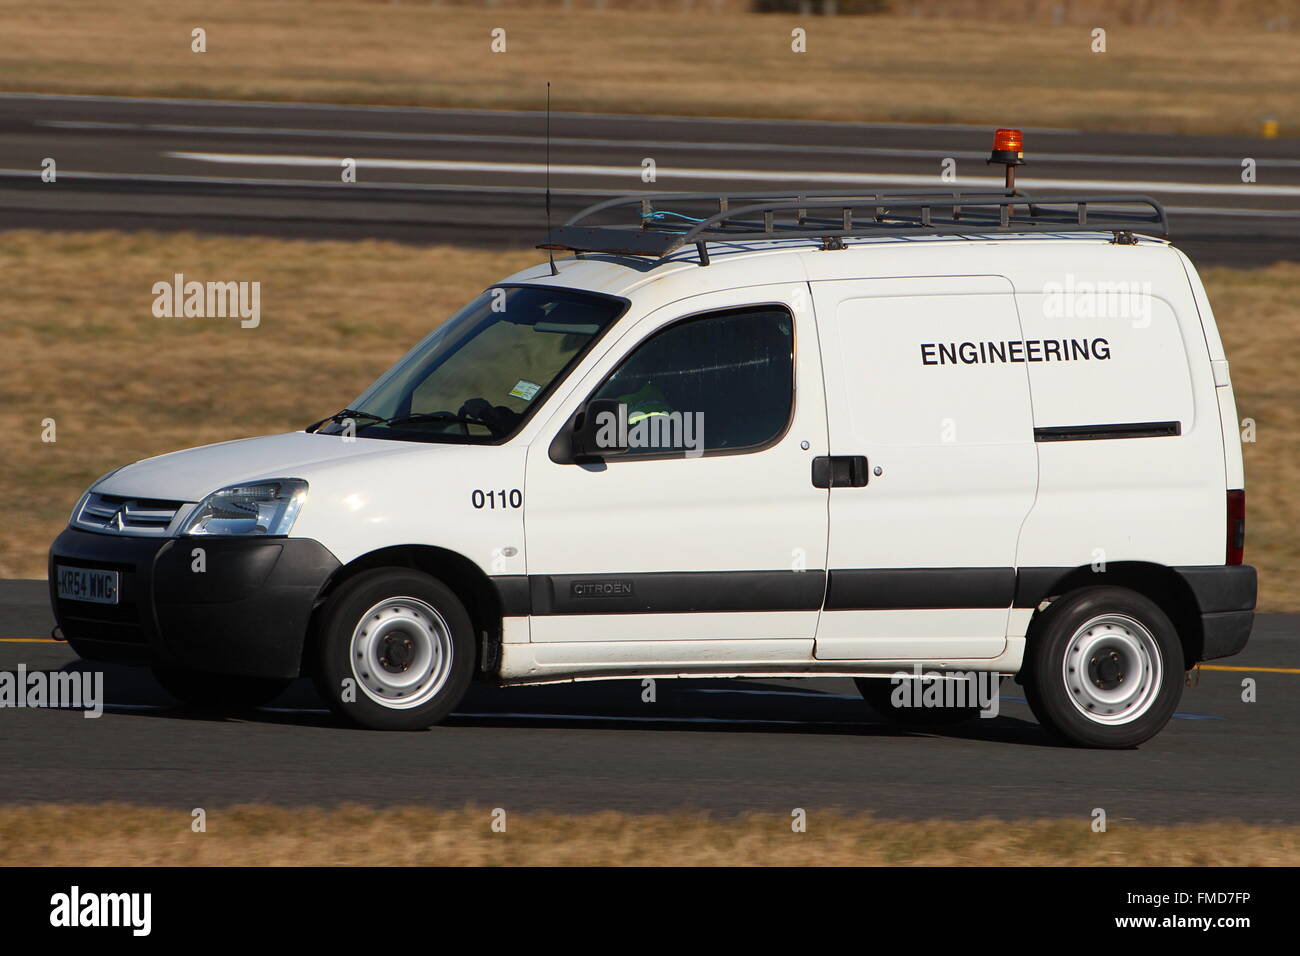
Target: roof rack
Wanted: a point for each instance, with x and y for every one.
(832, 216)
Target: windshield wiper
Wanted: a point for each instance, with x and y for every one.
(342, 415)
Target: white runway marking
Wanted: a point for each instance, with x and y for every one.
(1231, 162)
(170, 179)
(633, 174)
(330, 185)
(537, 114)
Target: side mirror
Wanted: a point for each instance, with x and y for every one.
(596, 431)
(600, 429)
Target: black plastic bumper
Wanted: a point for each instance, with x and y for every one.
(246, 613)
(1226, 598)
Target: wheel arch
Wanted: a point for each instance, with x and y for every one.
(465, 578)
(1157, 582)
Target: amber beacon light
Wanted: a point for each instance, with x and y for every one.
(1009, 150)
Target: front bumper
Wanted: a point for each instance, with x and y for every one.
(247, 613)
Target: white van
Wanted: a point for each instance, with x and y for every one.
(803, 436)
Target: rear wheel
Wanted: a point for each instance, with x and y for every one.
(217, 691)
(905, 704)
(396, 650)
(1104, 668)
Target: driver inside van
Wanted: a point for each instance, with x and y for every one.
(648, 401)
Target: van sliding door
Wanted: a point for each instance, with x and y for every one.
(928, 394)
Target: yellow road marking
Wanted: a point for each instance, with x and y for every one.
(28, 640)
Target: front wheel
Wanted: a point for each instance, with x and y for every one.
(396, 650)
(1103, 668)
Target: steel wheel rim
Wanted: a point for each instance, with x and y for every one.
(1113, 669)
(401, 652)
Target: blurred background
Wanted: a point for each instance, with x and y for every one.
(140, 139)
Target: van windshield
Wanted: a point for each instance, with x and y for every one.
(477, 377)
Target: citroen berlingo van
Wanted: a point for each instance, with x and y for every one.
(727, 436)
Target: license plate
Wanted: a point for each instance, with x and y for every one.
(85, 584)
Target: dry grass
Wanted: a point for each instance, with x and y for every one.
(1156, 75)
(1268, 14)
(83, 347)
(58, 835)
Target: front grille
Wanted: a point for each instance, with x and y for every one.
(119, 515)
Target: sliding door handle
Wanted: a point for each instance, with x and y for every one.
(839, 471)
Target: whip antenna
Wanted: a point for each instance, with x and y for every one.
(550, 252)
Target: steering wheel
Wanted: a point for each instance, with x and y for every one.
(497, 418)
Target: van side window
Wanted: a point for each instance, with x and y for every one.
(729, 376)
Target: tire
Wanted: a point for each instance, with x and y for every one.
(218, 692)
(1103, 668)
(879, 693)
(396, 650)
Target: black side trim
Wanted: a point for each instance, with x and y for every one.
(512, 591)
(909, 588)
(678, 592)
(1034, 584)
(1096, 432)
(1216, 588)
(670, 592)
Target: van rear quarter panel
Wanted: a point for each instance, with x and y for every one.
(1156, 499)
(1233, 463)
(1134, 499)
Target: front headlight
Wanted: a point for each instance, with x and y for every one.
(261, 508)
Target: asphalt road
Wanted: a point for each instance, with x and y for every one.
(477, 176)
(721, 746)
